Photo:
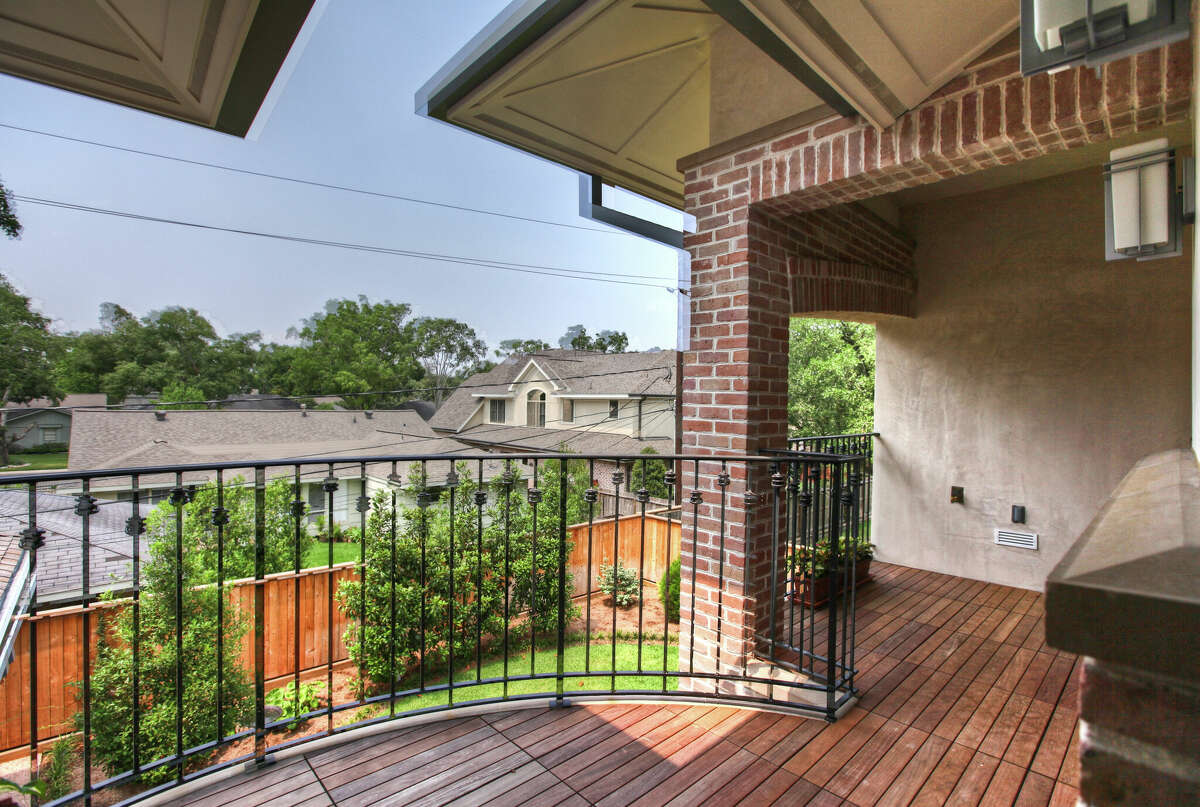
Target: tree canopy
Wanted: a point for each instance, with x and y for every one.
(831, 377)
(510, 347)
(28, 348)
(605, 341)
(448, 350)
(9, 225)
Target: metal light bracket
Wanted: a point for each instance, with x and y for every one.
(1102, 36)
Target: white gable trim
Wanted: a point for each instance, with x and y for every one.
(525, 369)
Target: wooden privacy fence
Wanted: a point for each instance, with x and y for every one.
(60, 659)
(662, 546)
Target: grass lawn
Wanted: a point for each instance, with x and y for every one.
(546, 662)
(38, 462)
(318, 555)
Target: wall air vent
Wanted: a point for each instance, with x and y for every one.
(1017, 538)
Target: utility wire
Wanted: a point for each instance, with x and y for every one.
(313, 183)
(478, 263)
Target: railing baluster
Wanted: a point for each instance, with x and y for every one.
(507, 482)
(834, 550)
(723, 484)
(667, 572)
(423, 505)
(562, 576)
(535, 499)
(618, 478)
(178, 501)
(364, 506)
(32, 538)
(220, 518)
(591, 495)
(86, 507)
(642, 497)
(394, 479)
(480, 501)
(298, 562)
(452, 483)
(695, 498)
(330, 486)
(776, 487)
(260, 608)
(135, 528)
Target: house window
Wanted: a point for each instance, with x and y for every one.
(568, 415)
(50, 434)
(496, 411)
(613, 408)
(535, 411)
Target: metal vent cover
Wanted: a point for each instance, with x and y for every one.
(1017, 538)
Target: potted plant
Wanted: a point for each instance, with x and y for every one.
(810, 586)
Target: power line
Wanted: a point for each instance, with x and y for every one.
(481, 263)
(313, 183)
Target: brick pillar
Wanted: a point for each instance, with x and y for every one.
(734, 400)
(1140, 737)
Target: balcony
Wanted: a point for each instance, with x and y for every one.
(467, 651)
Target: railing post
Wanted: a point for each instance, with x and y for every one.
(32, 538)
(260, 653)
(562, 579)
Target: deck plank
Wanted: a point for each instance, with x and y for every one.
(961, 703)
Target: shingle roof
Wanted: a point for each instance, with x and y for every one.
(59, 566)
(16, 411)
(121, 439)
(577, 441)
(580, 372)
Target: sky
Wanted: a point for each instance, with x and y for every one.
(344, 116)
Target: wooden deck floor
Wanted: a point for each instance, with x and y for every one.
(962, 703)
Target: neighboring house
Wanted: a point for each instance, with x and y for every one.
(572, 400)
(254, 401)
(42, 421)
(120, 439)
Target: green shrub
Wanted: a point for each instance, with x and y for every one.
(668, 591)
(56, 769)
(44, 448)
(619, 582)
(112, 676)
(294, 701)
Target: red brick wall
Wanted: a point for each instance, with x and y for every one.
(777, 235)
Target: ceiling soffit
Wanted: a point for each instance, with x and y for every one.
(208, 62)
(621, 90)
(886, 56)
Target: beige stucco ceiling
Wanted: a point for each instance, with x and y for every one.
(179, 58)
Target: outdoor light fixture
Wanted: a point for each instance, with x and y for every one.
(1144, 210)
(1056, 34)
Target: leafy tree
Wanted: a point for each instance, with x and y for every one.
(668, 591)
(8, 215)
(112, 681)
(185, 396)
(577, 338)
(172, 347)
(353, 348)
(510, 347)
(447, 349)
(831, 377)
(28, 349)
(650, 474)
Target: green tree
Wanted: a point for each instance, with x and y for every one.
(447, 349)
(9, 225)
(197, 544)
(831, 377)
(578, 338)
(180, 396)
(28, 349)
(511, 347)
(650, 474)
(354, 348)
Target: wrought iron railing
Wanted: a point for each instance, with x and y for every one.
(236, 632)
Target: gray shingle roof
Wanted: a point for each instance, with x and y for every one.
(121, 439)
(576, 371)
(576, 441)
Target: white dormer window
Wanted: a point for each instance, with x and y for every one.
(535, 408)
(568, 410)
(496, 411)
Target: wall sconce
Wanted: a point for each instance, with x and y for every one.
(1144, 210)
(1056, 34)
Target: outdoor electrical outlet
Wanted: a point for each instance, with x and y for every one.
(956, 495)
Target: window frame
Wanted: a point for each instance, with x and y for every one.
(568, 410)
(614, 408)
(493, 404)
(535, 398)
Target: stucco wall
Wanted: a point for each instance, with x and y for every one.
(1035, 373)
